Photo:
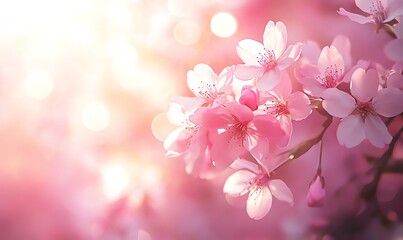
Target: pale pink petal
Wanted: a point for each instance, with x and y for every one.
(394, 50)
(284, 88)
(299, 106)
(364, 5)
(238, 183)
(351, 132)
(311, 51)
(338, 103)
(225, 79)
(258, 203)
(354, 17)
(216, 117)
(306, 71)
(343, 45)
(330, 58)
(248, 72)
(286, 125)
(376, 131)
(360, 64)
(259, 149)
(364, 85)
(316, 193)
(227, 147)
(240, 164)
(290, 55)
(188, 103)
(395, 80)
(393, 9)
(176, 114)
(388, 102)
(399, 27)
(275, 37)
(281, 191)
(314, 88)
(269, 80)
(240, 113)
(248, 50)
(177, 142)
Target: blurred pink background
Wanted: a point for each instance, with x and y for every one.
(82, 87)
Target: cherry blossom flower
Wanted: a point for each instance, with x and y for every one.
(191, 142)
(394, 48)
(240, 132)
(209, 89)
(265, 61)
(249, 97)
(257, 181)
(327, 68)
(380, 11)
(361, 113)
(316, 193)
(284, 105)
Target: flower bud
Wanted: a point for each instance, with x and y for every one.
(248, 98)
(316, 193)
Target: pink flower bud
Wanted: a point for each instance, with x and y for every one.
(316, 193)
(248, 98)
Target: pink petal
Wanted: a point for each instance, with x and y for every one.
(281, 191)
(227, 147)
(376, 131)
(360, 64)
(311, 51)
(284, 88)
(330, 57)
(211, 117)
(177, 142)
(248, 98)
(269, 80)
(270, 128)
(394, 50)
(364, 85)
(393, 9)
(338, 103)
(241, 164)
(275, 37)
(225, 79)
(343, 45)
(314, 88)
(188, 103)
(176, 114)
(364, 5)
(238, 184)
(248, 50)
(239, 112)
(350, 132)
(299, 106)
(290, 55)
(354, 17)
(316, 193)
(307, 71)
(258, 203)
(388, 102)
(199, 78)
(395, 80)
(248, 72)
(259, 148)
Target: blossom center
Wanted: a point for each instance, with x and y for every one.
(331, 77)
(259, 181)
(363, 109)
(277, 108)
(238, 130)
(207, 91)
(267, 59)
(378, 13)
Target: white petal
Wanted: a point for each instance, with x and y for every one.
(281, 191)
(376, 131)
(364, 84)
(350, 132)
(275, 37)
(388, 102)
(259, 202)
(244, 164)
(248, 50)
(238, 183)
(338, 103)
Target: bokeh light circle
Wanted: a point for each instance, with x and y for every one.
(95, 116)
(223, 25)
(38, 84)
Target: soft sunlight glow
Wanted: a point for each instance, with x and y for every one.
(95, 116)
(187, 32)
(115, 180)
(161, 127)
(180, 8)
(38, 84)
(223, 25)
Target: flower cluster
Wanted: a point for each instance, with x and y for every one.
(237, 117)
